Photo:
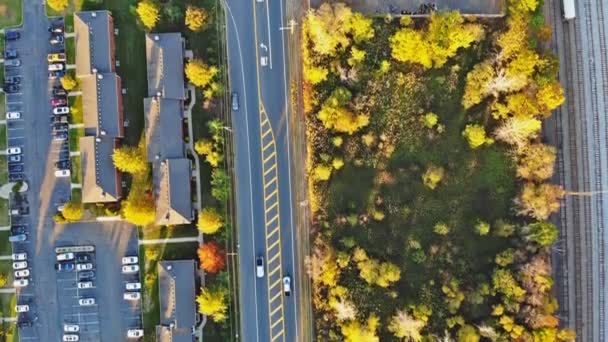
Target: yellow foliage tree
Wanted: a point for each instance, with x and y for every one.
(72, 211)
(148, 12)
(522, 66)
(334, 115)
(522, 6)
(322, 172)
(58, 5)
(314, 74)
(139, 210)
(360, 27)
(196, 18)
(356, 56)
(212, 303)
(432, 176)
(406, 327)
(549, 97)
(209, 221)
(478, 84)
(353, 331)
(337, 163)
(199, 73)
(518, 131)
(430, 120)
(514, 39)
(539, 201)
(536, 162)
(130, 159)
(68, 82)
(203, 147)
(476, 136)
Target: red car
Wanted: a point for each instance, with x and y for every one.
(59, 102)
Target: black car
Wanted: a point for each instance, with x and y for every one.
(12, 79)
(11, 88)
(60, 127)
(55, 74)
(59, 92)
(12, 35)
(11, 53)
(60, 136)
(24, 324)
(15, 168)
(86, 275)
(83, 257)
(62, 164)
(18, 229)
(14, 177)
(56, 39)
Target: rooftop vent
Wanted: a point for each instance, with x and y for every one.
(93, 14)
(94, 70)
(156, 37)
(159, 94)
(98, 139)
(103, 132)
(169, 267)
(157, 157)
(100, 76)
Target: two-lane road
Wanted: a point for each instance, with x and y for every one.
(256, 31)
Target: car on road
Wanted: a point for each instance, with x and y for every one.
(133, 286)
(11, 53)
(56, 40)
(19, 256)
(235, 101)
(20, 283)
(84, 267)
(19, 265)
(86, 301)
(22, 308)
(135, 333)
(71, 338)
(130, 269)
(131, 296)
(61, 110)
(12, 79)
(57, 102)
(56, 67)
(22, 274)
(128, 260)
(55, 74)
(84, 284)
(86, 275)
(60, 136)
(11, 88)
(15, 177)
(12, 63)
(59, 92)
(12, 35)
(65, 256)
(15, 168)
(55, 57)
(71, 328)
(13, 150)
(13, 115)
(287, 286)
(259, 266)
(17, 238)
(15, 158)
(64, 266)
(62, 173)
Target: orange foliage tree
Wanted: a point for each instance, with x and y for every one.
(212, 257)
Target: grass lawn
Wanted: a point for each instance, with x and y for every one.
(74, 136)
(10, 13)
(5, 245)
(76, 195)
(70, 50)
(4, 217)
(75, 103)
(6, 268)
(75, 173)
(3, 137)
(3, 170)
(7, 305)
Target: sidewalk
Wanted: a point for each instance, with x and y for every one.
(169, 240)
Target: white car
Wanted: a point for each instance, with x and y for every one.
(135, 333)
(13, 150)
(131, 296)
(55, 66)
(61, 110)
(84, 267)
(22, 274)
(86, 301)
(130, 269)
(65, 256)
(62, 173)
(20, 283)
(19, 265)
(128, 260)
(19, 256)
(22, 308)
(259, 266)
(287, 286)
(13, 115)
(70, 338)
(133, 286)
(71, 328)
(85, 284)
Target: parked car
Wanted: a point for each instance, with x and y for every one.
(287, 286)
(15, 168)
(59, 119)
(64, 165)
(71, 338)
(12, 35)
(60, 136)
(56, 74)
(22, 308)
(12, 63)
(56, 39)
(55, 67)
(15, 158)
(64, 266)
(86, 275)
(55, 57)
(61, 110)
(17, 238)
(13, 150)
(20, 283)
(128, 260)
(135, 333)
(24, 324)
(81, 257)
(65, 256)
(18, 229)
(11, 88)
(22, 274)
(19, 256)
(57, 102)
(84, 267)
(130, 269)
(59, 92)
(133, 286)
(11, 53)
(13, 115)
(15, 177)
(131, 296)
(259, 266)
(19, 265)
(84, 284)
(12, 79)
(71, 328)
(86, 301)
(62, 173)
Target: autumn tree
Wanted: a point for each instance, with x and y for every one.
(139, 209)
(334, 114)
(518, 131)
(57, 5)
(374, 272)
(148, 12)
(212, 257)
(468, 333)
(322, 172)
(199, 73)
(504, 282)
(130, 159)
(209, 221)
(441, 228)
(432, 176)
(539, 200)
(543, 233)
(482, 228)
(536, 162)
(549, 96)
(478, 84)
(212, 302)
(72, 211)
(514, 39)
(196, 18)
(68, 82)
(203, 147)
(475, 135)
(353, 331)
(406, 327)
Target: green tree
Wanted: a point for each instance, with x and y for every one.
(504, 283)
(543, 233)
(441, 228)
(209, 221)
(148, 12)
(220, 184)
(130, 159)
(213, 303)
(173, 12)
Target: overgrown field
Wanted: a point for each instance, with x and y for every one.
(427, 176)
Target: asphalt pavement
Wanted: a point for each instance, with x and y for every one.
(257, 68)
